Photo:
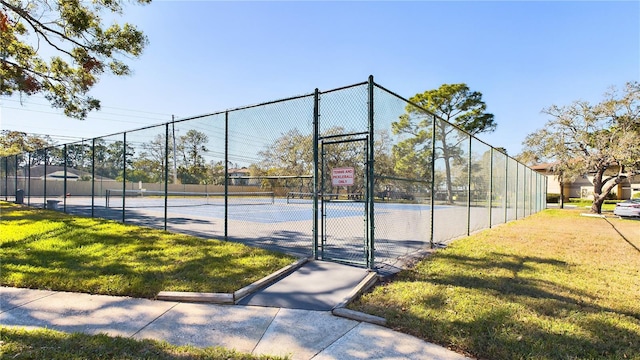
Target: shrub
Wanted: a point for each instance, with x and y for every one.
(553, 198)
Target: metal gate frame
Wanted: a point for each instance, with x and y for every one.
(326, 198)
(369, 248)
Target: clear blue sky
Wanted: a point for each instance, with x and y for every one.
(208, 56)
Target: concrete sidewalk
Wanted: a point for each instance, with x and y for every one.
(301, 334)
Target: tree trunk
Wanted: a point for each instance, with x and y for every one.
(598, 197)
(602, 188)
(596, 206)
(561, 195)
(447, 164)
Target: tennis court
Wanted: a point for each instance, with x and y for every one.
(255, 174)
(402, 229)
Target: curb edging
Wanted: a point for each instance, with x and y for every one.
(230, 298)
(364, 285)
(267, 280)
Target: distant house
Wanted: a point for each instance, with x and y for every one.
(60, 175)
(240, 177)
(582, 187)
(56, 172)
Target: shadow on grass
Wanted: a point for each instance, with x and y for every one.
(622, 235)
(501, 334)
(294, 243)
(472, 269)
(499, 307)
(85, 255)
(47, 344)
(524, 289)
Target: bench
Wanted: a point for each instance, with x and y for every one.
(52, 204)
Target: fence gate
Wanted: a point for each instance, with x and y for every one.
(343, 198)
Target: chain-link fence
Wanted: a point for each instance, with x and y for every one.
(356, 174)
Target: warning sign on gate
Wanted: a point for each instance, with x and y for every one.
(342, 176)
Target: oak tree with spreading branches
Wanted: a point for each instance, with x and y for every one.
(83, 49)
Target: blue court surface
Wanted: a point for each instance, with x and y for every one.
(277, 212)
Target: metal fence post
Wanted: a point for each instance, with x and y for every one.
(3, 174)
(15, 188)
(44, 205)
(545, 181)
(433, 178)
(93, 176)
(506, 190)
(4, 186)
(64, 183)
(517, 188)
(29, 180)
(316, 135)
(469, 189)
(226, 175)
(370, 178)
(6, 176)
(491, 187)
(166, 173)
(124, 175)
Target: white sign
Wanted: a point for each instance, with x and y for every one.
(342, 176)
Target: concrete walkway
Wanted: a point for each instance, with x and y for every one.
(301, 334)
(316, 285)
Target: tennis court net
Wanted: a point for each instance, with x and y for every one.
(116, 198)
(307, 197)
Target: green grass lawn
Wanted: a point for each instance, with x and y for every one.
(51, 250)
(555, 285)
(49, 344)
(607, 207)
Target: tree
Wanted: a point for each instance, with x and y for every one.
(79, 155)
(457, 105)
(384, 162)
(600, 140)
(100, 156)
(192, 147)
(110, 158)
(17, 142)
(73, 30)
(152, 158)
(290, 154)
(215, 172)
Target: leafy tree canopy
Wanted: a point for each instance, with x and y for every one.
(73, 30)
(17, 142)
(600, 140)
(454, 103)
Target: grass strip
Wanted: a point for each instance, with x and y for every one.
(49, 344)
(51, 250)
(555, 285)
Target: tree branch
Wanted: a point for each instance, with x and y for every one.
(36, 25)
(32, 71)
